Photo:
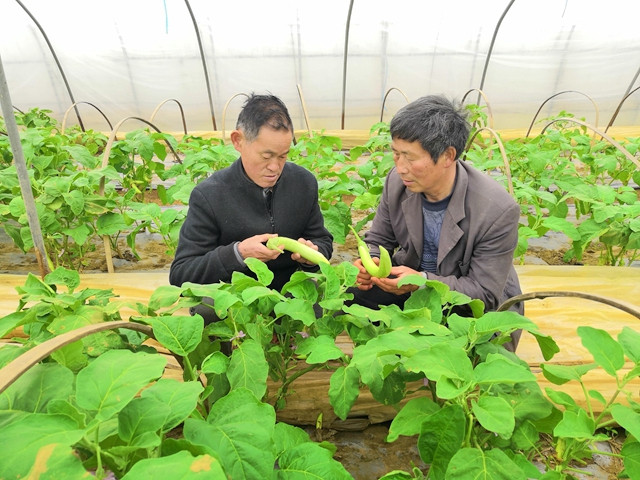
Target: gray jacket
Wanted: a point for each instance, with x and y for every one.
(478, 237)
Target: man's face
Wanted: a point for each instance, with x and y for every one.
(418, 171)
(263, 159)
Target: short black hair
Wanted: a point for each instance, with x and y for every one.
(261, 110)
(434, 121)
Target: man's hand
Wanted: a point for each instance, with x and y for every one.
(363, 281)
(391, 284)
(298, 258)
(254, 247)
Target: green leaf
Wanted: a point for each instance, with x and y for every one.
(240, 430)
(287, 436)
(441, 437)
(21, 439)
(575, 425)
(38, 386)
(264, 275)
(81, 154)
(180, 334)
(114, 378)
(62, 276)
(164, 296)
(71, 356)
(627, 418)
(57, 462)
(561, 398)
(492, 322)
(631, 454)
(63, 407)
(529, 469)
(630, 341)
(442, 360)
(605, 350)
(217, 363)
(297, 309)
(474, 463)
(561, 374)
(499, 369)
(319, 349)
(494, 414)
(110, 223)
(12, 321)
(180, 397)
(409, 420)
(526, 436)
(249, 368)
(309, 460)
(344, 388)
(179, 466)
(548, 345)
(141, 415)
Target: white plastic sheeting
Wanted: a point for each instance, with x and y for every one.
(128, 56)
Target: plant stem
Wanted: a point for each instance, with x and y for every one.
(583, 472)
(586, 396)
(99, 470)
(608, 454)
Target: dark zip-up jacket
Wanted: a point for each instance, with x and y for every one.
(228, 207)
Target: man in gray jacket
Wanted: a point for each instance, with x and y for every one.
(444, 219)
(261, 195)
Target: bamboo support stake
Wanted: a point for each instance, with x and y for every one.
(304, 110)
(23, 174)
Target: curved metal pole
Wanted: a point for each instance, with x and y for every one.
(105, 162)
(204, 63)
(615, 114)
(55, 57)
(623, 150)
(560, 93)
(23, 174)
(486, 101)
(224, 111)
(184, 122)
(493, 41)
(384, 100)
(625, 307)
(344, 62)
(304, 110)
(505, 159)
(13, 370)
(64, 119)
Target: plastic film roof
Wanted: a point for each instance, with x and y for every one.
(128, 56)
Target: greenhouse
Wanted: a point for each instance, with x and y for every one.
(290, 240)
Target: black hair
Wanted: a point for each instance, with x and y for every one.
(261, 110)
(435, 122)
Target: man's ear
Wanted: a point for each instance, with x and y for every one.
(448, 156)
(237, 138)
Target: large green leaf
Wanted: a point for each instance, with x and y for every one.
(57, 462)
(180, 397)
(499, 369)
(493, 322)
(240, 430)
(344, 388)
(627, 418)
(179, 466)
(141, 415)
(409, 420)
(561, 374)
(525, 436)
(308, 461)
(38, 386)
(249, 368)
(575, 425)
(298, 309)
(21, 439)
(164, 296)
(441, 437)
(631, 454)
(180, 334)
(114, 378)
(287, 436)
(605, 350)
(494, 414)
(71, 356)
(319, 349)
(473, 463)
(442, 360)
(630, 341)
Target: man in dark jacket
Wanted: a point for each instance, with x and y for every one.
(443, 219)
(236, 210)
